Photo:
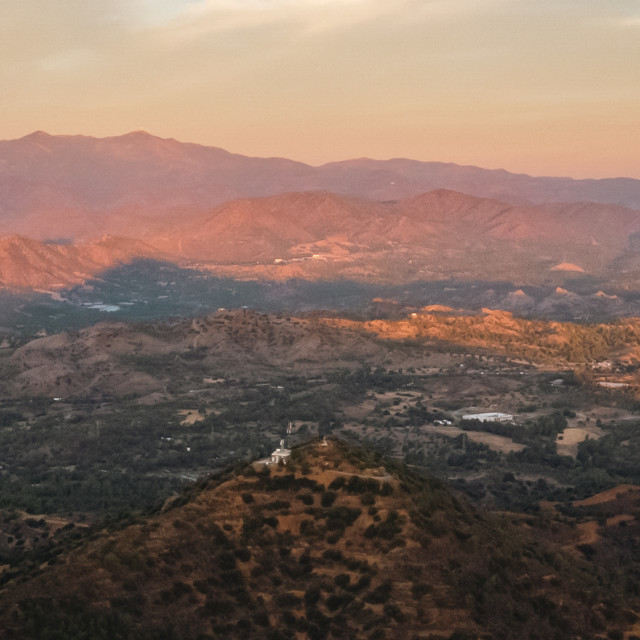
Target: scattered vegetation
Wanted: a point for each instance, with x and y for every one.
(217, 564)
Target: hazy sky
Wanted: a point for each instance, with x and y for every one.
(539, 86)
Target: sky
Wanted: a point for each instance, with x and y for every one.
(545, 87)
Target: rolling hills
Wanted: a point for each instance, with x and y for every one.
(124, 358)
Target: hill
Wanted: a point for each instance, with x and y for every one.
(29, 264)
(339, 544)
(119, 359)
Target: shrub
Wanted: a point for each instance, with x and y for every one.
(380, 594)
(244, 624)
(386, 489)
(307, 528)
(342, 579)
(360, 485)
(367, 498)
(243, 554)
(276, 505)
(338, 600)
(287, 600)
(418, 589)
(328, 498)
(311, 596)
(226, 561)
(342, 517)
(305, 559)
(219, 607)
(332, 554)
(181, 589)
(202, 586)
(362, 583)
(393, 611)
(261, 619)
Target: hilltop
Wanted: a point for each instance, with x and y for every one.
(339, 544)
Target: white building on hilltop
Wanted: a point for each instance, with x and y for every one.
(489, 417)
(281, 454)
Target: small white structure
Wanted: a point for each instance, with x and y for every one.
(489, 417)
(281, 454)
(608, 385)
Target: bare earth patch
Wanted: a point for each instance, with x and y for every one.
(568, 441)
(606, 496)
(190, 416)
(493, 441)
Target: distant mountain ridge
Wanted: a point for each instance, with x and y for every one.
(318, 232)
(271, 218)
(82, 185)
(324, 236)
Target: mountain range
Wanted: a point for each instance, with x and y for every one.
(143, 173)
(65, 199)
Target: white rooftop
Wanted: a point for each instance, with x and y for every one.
(494, 416)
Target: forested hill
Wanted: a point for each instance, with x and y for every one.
(339, 544)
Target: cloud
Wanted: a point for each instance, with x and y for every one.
(628, 22)
(153, 13)
(198, 18)
(69, 60)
